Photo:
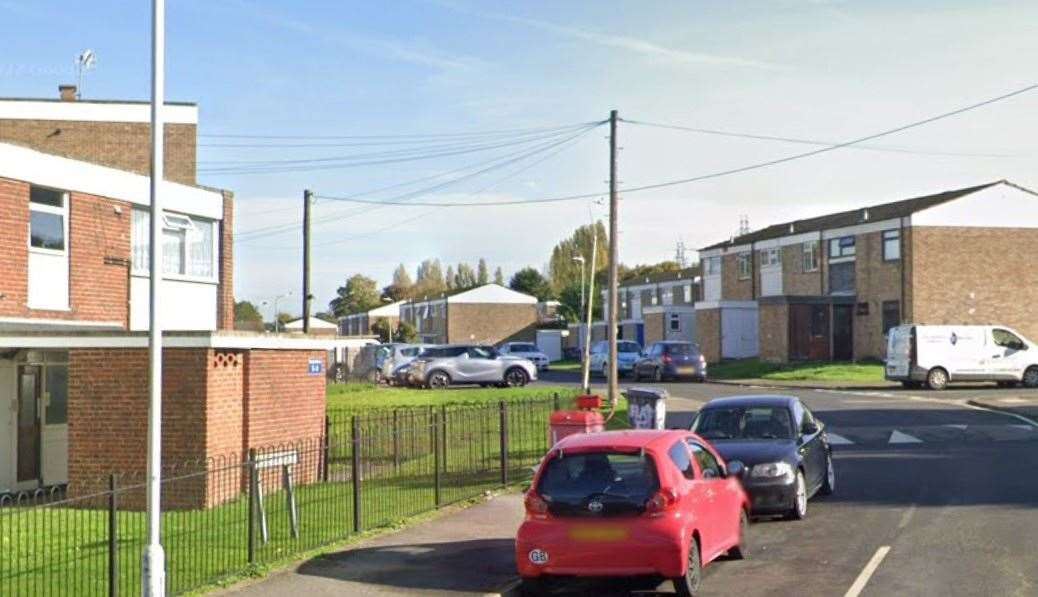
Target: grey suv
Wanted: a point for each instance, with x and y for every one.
(471, 364)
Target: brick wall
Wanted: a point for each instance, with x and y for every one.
(876, 281)
(732, 288)
(122, 145)
(773, 320)
(283, 402)
(795, 281)
(708, 333)
(975, 276)
(99, 252)
(491, 323)
(654, 328)
(225, 291)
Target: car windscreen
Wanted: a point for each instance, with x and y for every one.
(627, 347)
(750, 422)
(522, 348)
(598, 484)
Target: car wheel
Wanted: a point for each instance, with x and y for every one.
(605, 370)
(657, 375)
(516, 378)
(829, 486)
(688, 585)
(937, 379)
(1030, 379)
(439, 380)
(740, 551)
(799, 510)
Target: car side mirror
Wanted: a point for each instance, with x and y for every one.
(809, 427)
(736, 469)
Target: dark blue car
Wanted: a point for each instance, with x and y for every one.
(671, 360)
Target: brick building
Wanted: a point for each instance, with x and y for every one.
(359, 324)
(488, 314)
(829, 288)
(657, 307)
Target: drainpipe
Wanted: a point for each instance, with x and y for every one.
(901, 266)
(753, 271)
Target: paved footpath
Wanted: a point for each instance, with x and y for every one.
(466, 552)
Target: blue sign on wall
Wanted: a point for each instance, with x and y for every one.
(316, 366)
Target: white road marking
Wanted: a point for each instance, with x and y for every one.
(959, 427)
(1024, 427)
(1013, 400)
(839, 440)
(867, 572)
(898, 437)
(906, 517)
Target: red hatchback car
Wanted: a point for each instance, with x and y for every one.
(641, 505)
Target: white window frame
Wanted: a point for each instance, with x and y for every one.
(713, 266)
(190, 226)
(771, 257)
(62, 211)
(744, 266)
(896, 238)
(811, 258)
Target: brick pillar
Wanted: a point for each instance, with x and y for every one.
(225, 308)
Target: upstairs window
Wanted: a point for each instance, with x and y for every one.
(841, 247)
(188, 245)
(810, 256)
(891, 245)
(713, 266)
(770, 257)
(675, 322)
(48, 214)
(742, 264)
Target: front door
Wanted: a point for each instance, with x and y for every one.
(28, 444)
(843, 332)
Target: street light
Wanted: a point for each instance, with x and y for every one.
(581, 259)
(275, 301)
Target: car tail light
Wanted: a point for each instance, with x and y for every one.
(661, 501)
(535, 505)
(667, 359)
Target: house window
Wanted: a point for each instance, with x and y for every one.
(810, 256)
(742, 264)
(188, 245)
(688, 293)
(891, 315)
(841, 278)
(891, 245)
(841, 247)
(771, 257)
(675, 322)
(48, 212)
(713, 266)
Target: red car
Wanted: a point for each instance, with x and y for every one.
(640, 505)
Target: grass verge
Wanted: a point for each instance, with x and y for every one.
(864, 372)
(362, 398)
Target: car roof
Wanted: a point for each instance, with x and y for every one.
(751, 400)
(631, 439)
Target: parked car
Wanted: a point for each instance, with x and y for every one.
(936, 355)
(526, 350)
(671, 360)
(627, 354)
(393, 355)
(784, 448)
(642, 506)
(470, 364)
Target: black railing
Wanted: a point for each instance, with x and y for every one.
(227, 516)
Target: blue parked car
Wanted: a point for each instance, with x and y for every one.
(671, 360)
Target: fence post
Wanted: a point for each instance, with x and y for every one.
(396, 440)
(326, 456)
(443, 434)
(357, 510)
(555, 402)
(252, 506)
(504, 442)
(437, 441)
(113, 540)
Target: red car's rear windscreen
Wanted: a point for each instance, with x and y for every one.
(598, 484)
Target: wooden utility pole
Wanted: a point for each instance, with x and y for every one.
(614, 258)
(308, 197)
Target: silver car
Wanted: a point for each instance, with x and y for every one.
(470, 364)
(526, 350)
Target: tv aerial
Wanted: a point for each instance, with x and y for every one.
(86, 61)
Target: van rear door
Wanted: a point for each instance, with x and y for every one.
(899, 352)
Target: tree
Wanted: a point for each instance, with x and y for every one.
(382, 327)
(464, 277)
(247, 317)
(359, 294)
(405, 332)
(563, 270)
(530, 281)
(639, 271)
(401, 278)
(499, 277)
(482, 275)
(327, 316)
(396, 293)
(429, 281)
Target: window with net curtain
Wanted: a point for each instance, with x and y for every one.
(187, 245)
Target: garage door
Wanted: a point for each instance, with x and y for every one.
(739, 333)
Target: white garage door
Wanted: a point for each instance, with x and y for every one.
(739, 333)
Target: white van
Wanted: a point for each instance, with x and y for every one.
(934, 355)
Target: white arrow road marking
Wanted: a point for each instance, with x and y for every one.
(1024, 427)
(867, 572)
(839, 440)
(960, 427)
(897, 437)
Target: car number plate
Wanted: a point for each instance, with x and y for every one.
(598, 534)
(684, 370)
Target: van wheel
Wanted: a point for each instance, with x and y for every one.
(937, 379)
(1031, 377)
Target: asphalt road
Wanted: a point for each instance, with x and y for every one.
(933, 498)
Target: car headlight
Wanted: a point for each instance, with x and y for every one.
(772, 470)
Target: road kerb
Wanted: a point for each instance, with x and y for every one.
(1002, 409)
(771, 384)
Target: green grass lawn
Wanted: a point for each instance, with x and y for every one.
(362, 398)
(566, 365)
(864, 372)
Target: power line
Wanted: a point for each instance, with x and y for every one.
(728, 172)
(393, 136)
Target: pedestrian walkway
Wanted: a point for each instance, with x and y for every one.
(466, 552)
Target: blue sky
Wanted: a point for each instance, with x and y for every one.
(826, 70)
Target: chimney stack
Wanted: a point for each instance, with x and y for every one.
(68, 93)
